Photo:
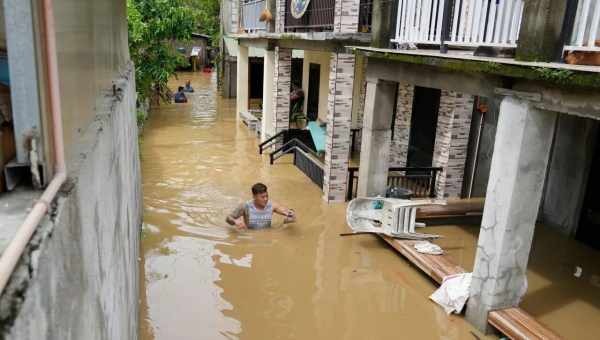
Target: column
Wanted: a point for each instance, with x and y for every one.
(267, 127)
(345, 18)
(399, 146)
(339, 117)
(280, 16)
(377, 132)
(451, 140)
(281, 89)
(521, 152)
(242, 79)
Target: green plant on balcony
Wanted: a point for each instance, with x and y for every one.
(299, 118)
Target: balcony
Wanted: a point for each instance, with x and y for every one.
(586, 28)
(493, 23)
(250, 11)
(318, 17)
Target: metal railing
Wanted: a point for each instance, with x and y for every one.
(419, 180)
(318, 17)
(310, 166)
(586, 28)
(250, 11)
(305, 159)
(470, 22)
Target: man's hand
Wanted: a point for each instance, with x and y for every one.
(240, 224)
(290, 216)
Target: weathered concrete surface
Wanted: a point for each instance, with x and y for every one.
(78, 278)
(568, 173)
(541, 25)
(522, 149)
(377, 133)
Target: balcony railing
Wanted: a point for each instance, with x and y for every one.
(318, 17)
(421, 181)
(586, 29)
(250, 11)
(470, 22)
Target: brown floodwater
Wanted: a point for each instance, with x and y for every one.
(203, 280)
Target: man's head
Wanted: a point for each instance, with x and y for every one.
(188, 83)
(260, 194)
(180, 88)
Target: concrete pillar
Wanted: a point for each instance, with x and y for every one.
(242, 80)
(381, 23)
(521, 152)
(339, 118)
(345, 18)
(267, 127)
(451, 140)
(399, 146)
(540, 32)
(281, 89)
(377, 132)
(280, 16)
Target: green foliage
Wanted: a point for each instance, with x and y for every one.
(154, 26)
(207, 12)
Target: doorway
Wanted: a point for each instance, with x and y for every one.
(589, 223)
(255, 77)
(423, 125)
(314, 81)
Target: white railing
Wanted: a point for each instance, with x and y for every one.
(250, 13)
(586, 30)
(472, 22)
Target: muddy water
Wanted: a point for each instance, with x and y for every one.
(203, 280)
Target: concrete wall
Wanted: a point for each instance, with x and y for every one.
(323, 59)
(92, 48)
(79, 278)
(486, 149)
(568, 172)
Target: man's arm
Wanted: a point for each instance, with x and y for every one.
(290, 215)
(236, 217)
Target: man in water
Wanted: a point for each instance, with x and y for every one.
(180, 96)
(188, 87)
(258, 212)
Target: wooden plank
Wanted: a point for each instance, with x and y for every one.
(513, 322)
(436, 266)
(518, 325)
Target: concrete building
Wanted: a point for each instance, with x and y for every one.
(480, 90)
(302, 46)
(77, 275)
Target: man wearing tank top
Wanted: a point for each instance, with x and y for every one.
(258, 212)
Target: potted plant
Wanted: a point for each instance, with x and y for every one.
(300, 119)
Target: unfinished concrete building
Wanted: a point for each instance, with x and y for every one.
(502, 96)
(70, 202)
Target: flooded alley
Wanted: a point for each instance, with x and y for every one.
(203, 280)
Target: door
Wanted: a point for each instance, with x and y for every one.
(589, 225)
(423, 125)
(314, 81)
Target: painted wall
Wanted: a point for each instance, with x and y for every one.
(78, 278)
(323, 59)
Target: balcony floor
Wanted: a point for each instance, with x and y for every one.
(468, 55)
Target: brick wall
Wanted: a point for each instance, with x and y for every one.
(339, 118)
(281, 89)
(346, 16)
(452, 137)
(399, 145)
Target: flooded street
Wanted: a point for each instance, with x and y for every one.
(202, 280)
